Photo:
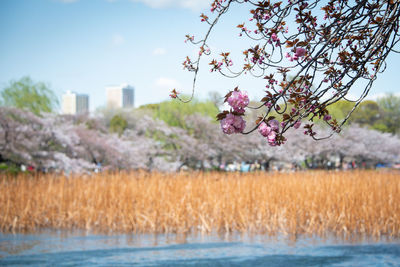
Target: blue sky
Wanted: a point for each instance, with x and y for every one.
(86, 45)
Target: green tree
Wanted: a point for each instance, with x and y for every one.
(390, 113)
(174, 113)
(340, 109)
(366, 114)
(118, 124)
(24, 93)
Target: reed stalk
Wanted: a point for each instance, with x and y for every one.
(365, 203)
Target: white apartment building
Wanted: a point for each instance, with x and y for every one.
(121, 96)
(73, 103)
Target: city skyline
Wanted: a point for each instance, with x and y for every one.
(117, 96)
(121, 96)
(74, 103)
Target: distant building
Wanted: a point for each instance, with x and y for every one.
(120, 96)
(73, 103)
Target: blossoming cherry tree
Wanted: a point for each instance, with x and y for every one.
(310, 54)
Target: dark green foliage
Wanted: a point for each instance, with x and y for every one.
(118, 124)
(382, 115)
(9, 168)
(390, 110)
(366, 114)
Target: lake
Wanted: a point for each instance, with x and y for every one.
(62, 248)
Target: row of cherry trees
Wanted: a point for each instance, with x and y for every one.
(81, 143)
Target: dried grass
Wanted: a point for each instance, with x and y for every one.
(363, 203)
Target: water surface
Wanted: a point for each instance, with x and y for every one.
(83, 249)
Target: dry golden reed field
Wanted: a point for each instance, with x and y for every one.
(365, 203)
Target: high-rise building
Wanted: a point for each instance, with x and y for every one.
(121, 96)
(73, 103)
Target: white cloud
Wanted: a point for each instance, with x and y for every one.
(167, 83)
(159, 51)
(195, 5)
(118, 39)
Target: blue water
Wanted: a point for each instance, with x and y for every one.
(83, 249)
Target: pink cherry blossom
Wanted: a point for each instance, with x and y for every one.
(274, 124)
(238, 101)
(300, 52)
(269, 130)
(297, 125)
(327, 117)
(232, 124)
(272, 138)
(264, 129)
(274, 37)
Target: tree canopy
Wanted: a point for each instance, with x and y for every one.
(81, 143)
(24, 93)
(174, 114)
(390, 108)
(382, 115)
(310, 53)
(118, 124)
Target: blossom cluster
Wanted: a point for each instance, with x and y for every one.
(299, 53)
(270, 131)
(216, 5)
(233, 124)
(275, 39)
(238, 100)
